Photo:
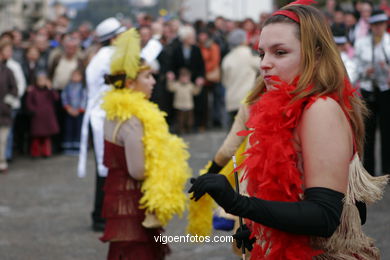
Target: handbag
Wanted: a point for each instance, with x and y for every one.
(214, 75)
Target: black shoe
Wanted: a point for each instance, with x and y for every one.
(98, 226)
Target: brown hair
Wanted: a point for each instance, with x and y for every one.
(321, 66)
(184, 72)
(5, 43)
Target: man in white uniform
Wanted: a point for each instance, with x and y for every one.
(373, 57)
(94, 116)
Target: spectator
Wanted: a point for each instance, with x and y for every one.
(350, 24)
(151, 45)
(239, 70)
(85, 30)
(330, 8)
(218, 33)
(31, 64)
(184, 91)
(212, 58)
(41, 102)
(31, 67)
(63, 65)
(373, 56)
(187, 55)
(42, 43)
(252, 33)
(231, 26)
(362, 27)
(8, 96)
(74, 99)
(338, 19)
(342, 43)
(17, 45)
(60, 73)
(161, 95)
(14, 66)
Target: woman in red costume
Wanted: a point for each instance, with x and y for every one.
(145, 182)
(305, 178)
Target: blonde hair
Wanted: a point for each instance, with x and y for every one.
(321, 66)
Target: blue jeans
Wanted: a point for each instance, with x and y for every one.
(218, 114)
(10, 139)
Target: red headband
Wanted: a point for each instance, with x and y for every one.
(291, 14)
(287, 13)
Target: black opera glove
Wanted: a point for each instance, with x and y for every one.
(217, 186)
(242, 238)
(317, 215)
(214, 168)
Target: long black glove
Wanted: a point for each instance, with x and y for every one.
(214, 168)
(318, 214)
(242, 238)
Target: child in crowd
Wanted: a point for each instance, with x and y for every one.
(40, 101)
(183, 102)
(74, 99)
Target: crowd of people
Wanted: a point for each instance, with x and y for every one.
(305, 188)
(220, 58)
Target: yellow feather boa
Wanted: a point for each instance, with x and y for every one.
(200, 214)
(166, 167)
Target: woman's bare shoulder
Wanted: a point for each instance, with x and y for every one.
(324, 105)
(326, 145)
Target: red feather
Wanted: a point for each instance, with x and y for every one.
(271, 166)
(272, 120)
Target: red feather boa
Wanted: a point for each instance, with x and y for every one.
(272, 170)
(271, 165)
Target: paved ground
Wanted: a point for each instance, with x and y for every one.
(45, 208)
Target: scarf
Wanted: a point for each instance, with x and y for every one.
(271, 169)
(166, 167)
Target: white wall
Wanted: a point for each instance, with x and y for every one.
(232, 9)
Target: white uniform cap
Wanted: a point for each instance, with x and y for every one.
(378, 16)
(109, 28)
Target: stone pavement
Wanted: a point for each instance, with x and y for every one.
(45, 211)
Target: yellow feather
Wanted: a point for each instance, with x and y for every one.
(126, 58)
(201, 212)
(166, 170)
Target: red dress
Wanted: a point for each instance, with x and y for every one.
(128, 238)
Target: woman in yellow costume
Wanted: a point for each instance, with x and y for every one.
(147, 165)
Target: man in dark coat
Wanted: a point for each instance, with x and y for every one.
(8, 97)
(188, 55)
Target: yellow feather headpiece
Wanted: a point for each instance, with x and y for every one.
(126, 58)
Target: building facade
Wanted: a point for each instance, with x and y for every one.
(22, 14)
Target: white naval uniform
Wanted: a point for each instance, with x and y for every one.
(351, 67)
(94, 114)
(363, 54)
